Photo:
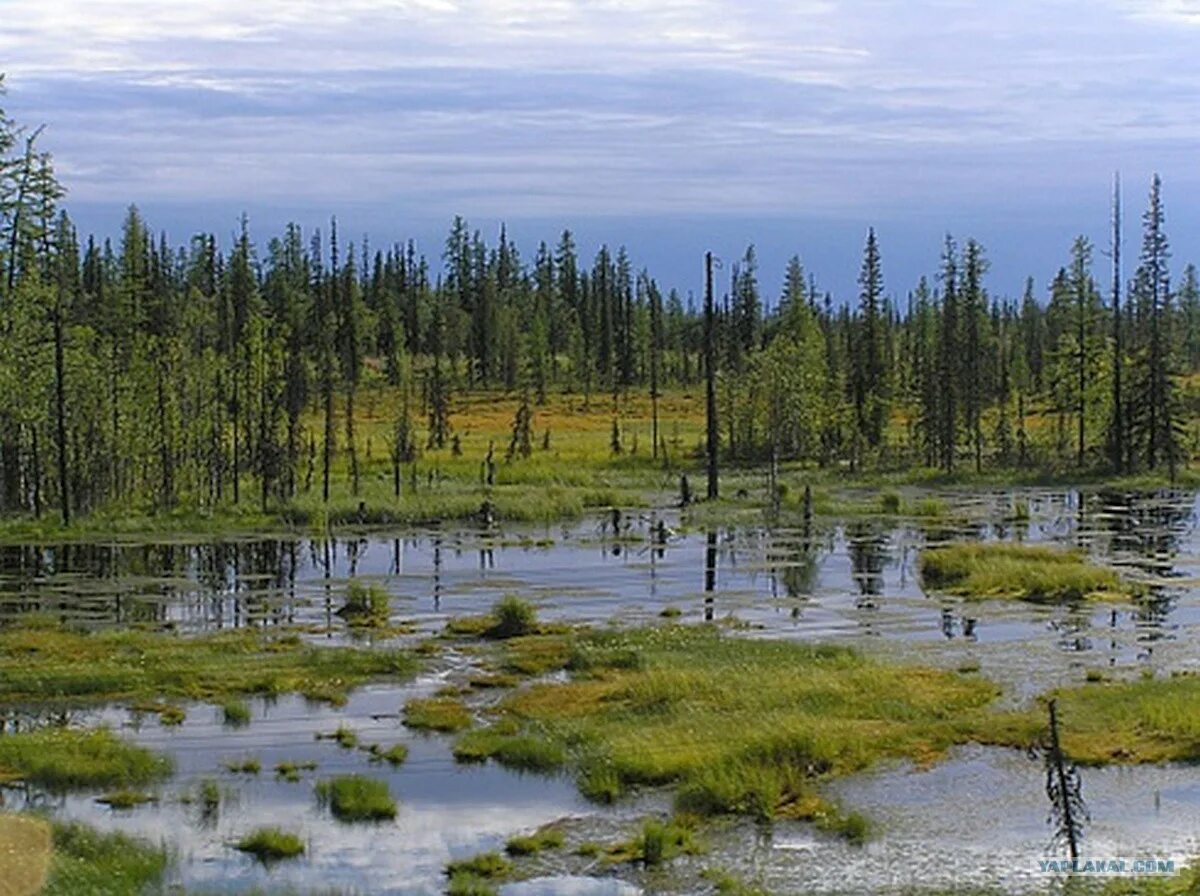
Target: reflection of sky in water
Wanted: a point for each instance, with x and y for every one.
(854, 583)
(445, 809)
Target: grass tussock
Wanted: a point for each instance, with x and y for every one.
(236, 713)
(477, 875)
(446, 714)
(659, 842)
(397, 754)
(367, 605)
(357, 798)
(125, 799)
(290, 771)
(271, 844)
(70, 758)
(89, 862)
(1035, 573)
(734, 725)
(52, 664)
(549, 837)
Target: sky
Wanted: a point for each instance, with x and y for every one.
(672, 126)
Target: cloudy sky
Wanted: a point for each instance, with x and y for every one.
(671, 125)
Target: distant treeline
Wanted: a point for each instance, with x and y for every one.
(149, 373)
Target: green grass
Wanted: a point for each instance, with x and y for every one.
(367, 605)
(51, 664)
(251, 765)
(462, 883)
(125, 799)
(445, 714)
(658, 842)
(509, 746)
(397, 754)
(89, 863)
(736, 725)
(236, 713)
(727, 884)
(1144, 721)
(486, 865)
(1020, 572)
(514, 617)
(271, 844)
(290, 771)
(70, 758)
(357, 798)
(549, 837)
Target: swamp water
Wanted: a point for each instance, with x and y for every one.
(977, 818)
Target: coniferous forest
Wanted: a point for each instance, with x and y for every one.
(154, 374)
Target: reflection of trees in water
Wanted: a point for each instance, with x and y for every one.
(867, 545)
(1143, 529)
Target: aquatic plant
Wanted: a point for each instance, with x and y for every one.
(366, 604)
(437, 714)
(125, 799)
(397, 754)
(485, 865)
(549, 837)
(356, 798)
(271, 844)
(53, 664)
(290, 771)
(735, 725)
(68, 758)
(236, 713)
(1036, 573)
(248, 766)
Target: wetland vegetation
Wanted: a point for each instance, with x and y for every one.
(304, 420)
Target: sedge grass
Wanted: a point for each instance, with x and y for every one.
(71, 758)
(51, 664)
(734, 725)
(1036, 573)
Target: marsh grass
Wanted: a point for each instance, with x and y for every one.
(1036, 573)
(513, 748)
(290, 771)
(126, 799)
(367, 605)
(659, 841)
(735, 725)
(445, 714)
(89, 862)
(464, 884)
(251, 765)
(69, 758)
(1145, 721)
(271, 844)
(51, 664)
(356, 798)
(477, 875)
(548, 837)
(236, 713)
(396, 754)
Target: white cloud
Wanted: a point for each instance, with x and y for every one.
(598, 105)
